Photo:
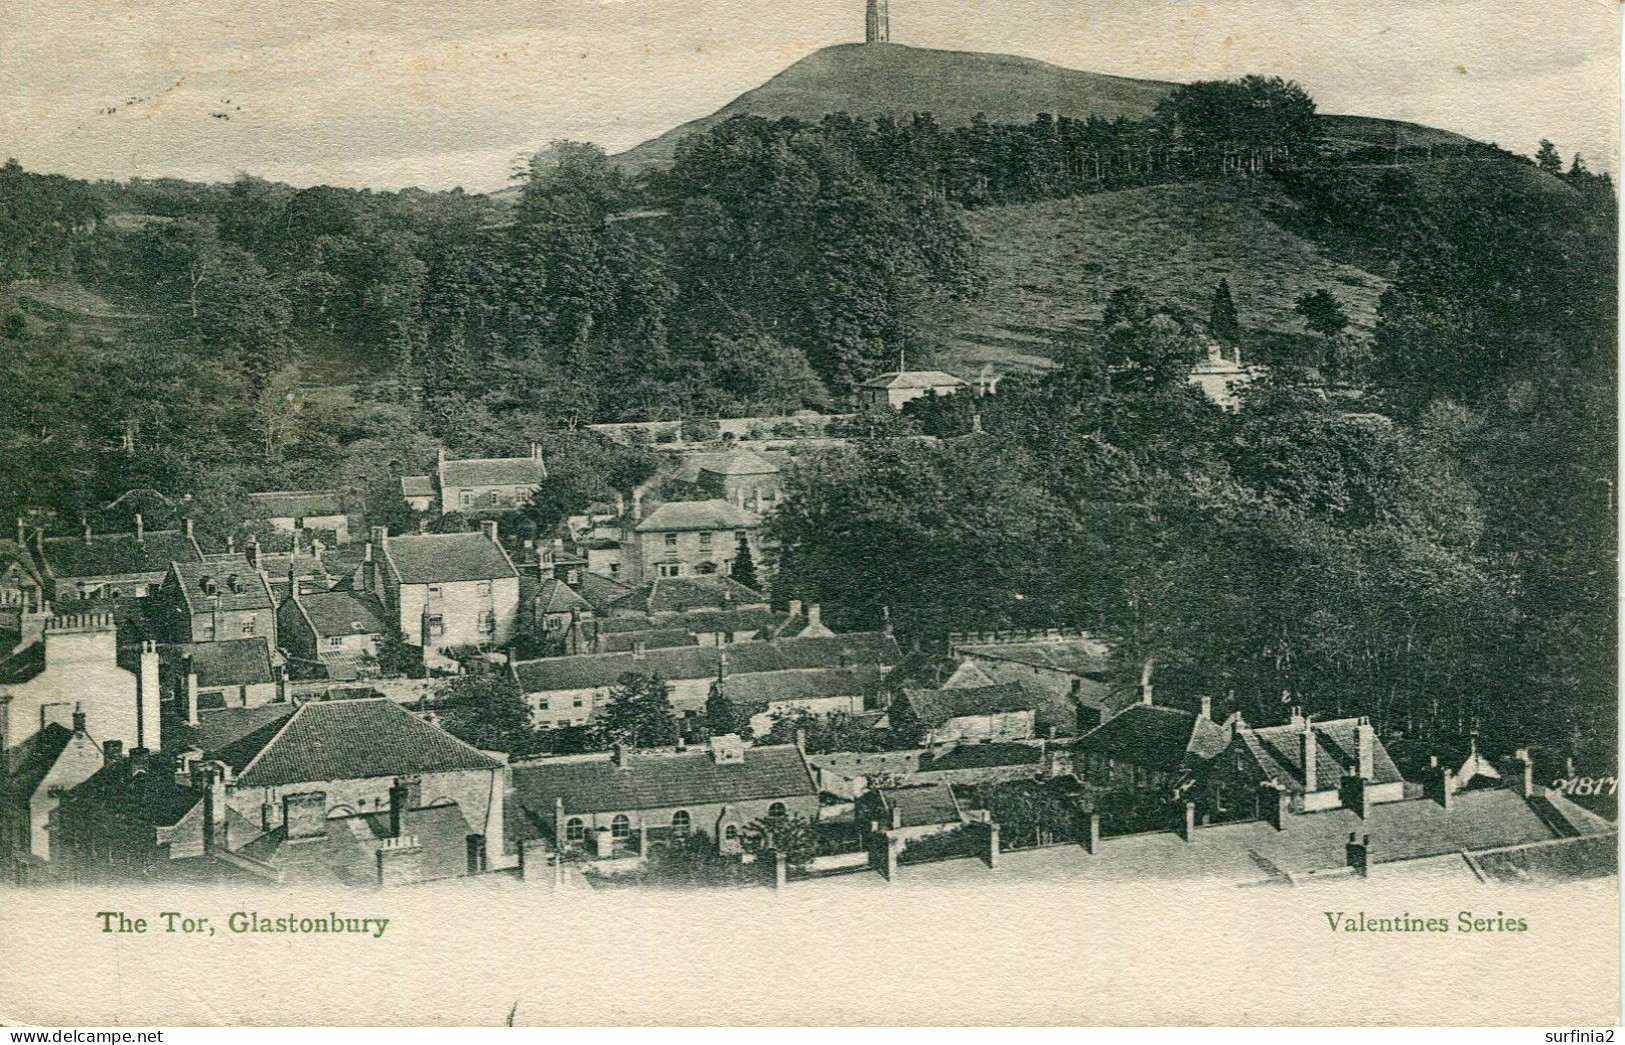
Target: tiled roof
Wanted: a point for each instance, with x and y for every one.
(599, 590)
(152, 797)
(417, 486)
(118, 554)
(659, 780)
(714, 514)
(219, 729)
(1279, 752)
(336, 613)
(913, 379)
(1074, 656)
(354, 740)
(231, 662)
(933, 707)
(31, 761)
(1155, 737)
(348, 853)
(557, 597)
(740, 462)
(492, 471)
(294, 504)
(653, 638)
(596, 670)
(238, 584)
(757, 692)
(686, 594)
(922, 804)
(439, 558)
(983, 756)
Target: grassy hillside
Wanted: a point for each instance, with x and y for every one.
(872, 79)
(1052, 265)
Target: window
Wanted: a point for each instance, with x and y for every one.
(671, 540)
(705, 539)
(335, 641)
(614, 569)
(467, 498)
(670, 569)
(680, 823)
(576, 703)
(434, 589)
(488, 623)
(574, 829)
(777, 809)
(620, 827)
(206, 633)
(732, 833)
(437, 627)
(482, 588)
(248, 626)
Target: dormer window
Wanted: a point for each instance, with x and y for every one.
(232, 584)
(207, 585)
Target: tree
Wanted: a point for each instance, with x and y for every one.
(489, 711)
(723, 716)
(744, 567)
(397, 658)
(791, 835)
(639, 712)
(1222, 321)
(1322, 313)
(1548, 159)
(1578, 169)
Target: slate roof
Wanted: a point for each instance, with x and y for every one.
(1073, 656)
(239, 585)
(492, 471)
(596, 670)
(220, 728)
(600, 591)
(686, 594)
(653, 638)
(1156, 737)
(232, 662)
(557, 597)
(982, 756)
(349, 851)
(740, 462)
(336, 613)
(715, 514)
(31, 761)
(913, 379)
(152, 797)
(441, 558)
(659, 780)
(118, 554)
(922, 804)
(349, 740)
(294, 504)
(759, 691)
(1279, 751)
(417, 486)
(933, 707)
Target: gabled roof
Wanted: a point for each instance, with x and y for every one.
(921, 804)
(760, 691)
(417, 486)
(220, 728)
(651, 638)
(14, 556)
(600, 591)
(280, 504)
(337, 613)
(231, 662)
(492, 471)
(348, 851)
(350, 740)
(152, 797)
(32, 760)
(740, 462)
(442, 558)
(659, 780)
(1279, 751)
(982, 756)
(598, 670)
(239, 585)
(933, 707)
(715, 514)
(554, 596)
(1156, 737)
(118, 554)
(687, 594)
(914, 379)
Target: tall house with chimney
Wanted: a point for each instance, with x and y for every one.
(444, 589)
(484, 484)
(877, 23)
(220, 598)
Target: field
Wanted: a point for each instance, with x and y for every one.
(1053, 264)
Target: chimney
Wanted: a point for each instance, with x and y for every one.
(1187, 829)
(251, 549)
(622, 756)
(1272, 804)
(191, 693)
(795, 607)
(78, 719)
(885, 620)
(366, 554)
(896, 816)
(140, 528)
(722, 663)
(1308, 749)
(1524, 766)
(211, 780)
(218, 619)
(536, 451)
(138, 761)
(1297, 713)
(1353, 793)
(405, 794)
(22, 533)
(1207, 708)
(489, 528)
(815, 616)
(305, 815)
(149, 699)
(112, 750)
(1365, 750)
(231, 543)
(186, 524)
(1438, 785)
(1358, 853)
(637, 649)
(380, 534)
(87, 530)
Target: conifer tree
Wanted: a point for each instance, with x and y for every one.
(1222, 322)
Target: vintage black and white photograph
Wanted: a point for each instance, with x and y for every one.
(576, 456)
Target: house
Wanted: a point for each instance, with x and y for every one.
(1150, 747)
(74, 667)
(705, 627)
(1221, 376)
(358, 791)
(609, 802)
(679, 595)
(969, 714)
(555, 615)
(892, 390)
(301, 568)
(217, 598)
(1071, 671)
(742, 478)
(485, 484)
(22, 581)
(911, 811)
(122, 565)
(235, 673)
(765, 696)
(691, 538)
(567, 690)
(54, 759)
(446, 589)
(1307, 765)
(333, 634)
(298, 510)
(418, 492)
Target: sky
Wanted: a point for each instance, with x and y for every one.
(436, 93)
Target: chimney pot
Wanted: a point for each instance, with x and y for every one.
(1207, 708)
(112, 750)
(140, 528)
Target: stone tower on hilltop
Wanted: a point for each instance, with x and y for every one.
(877, 27)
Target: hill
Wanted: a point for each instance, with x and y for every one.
(1051, 266)
(876, 79)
